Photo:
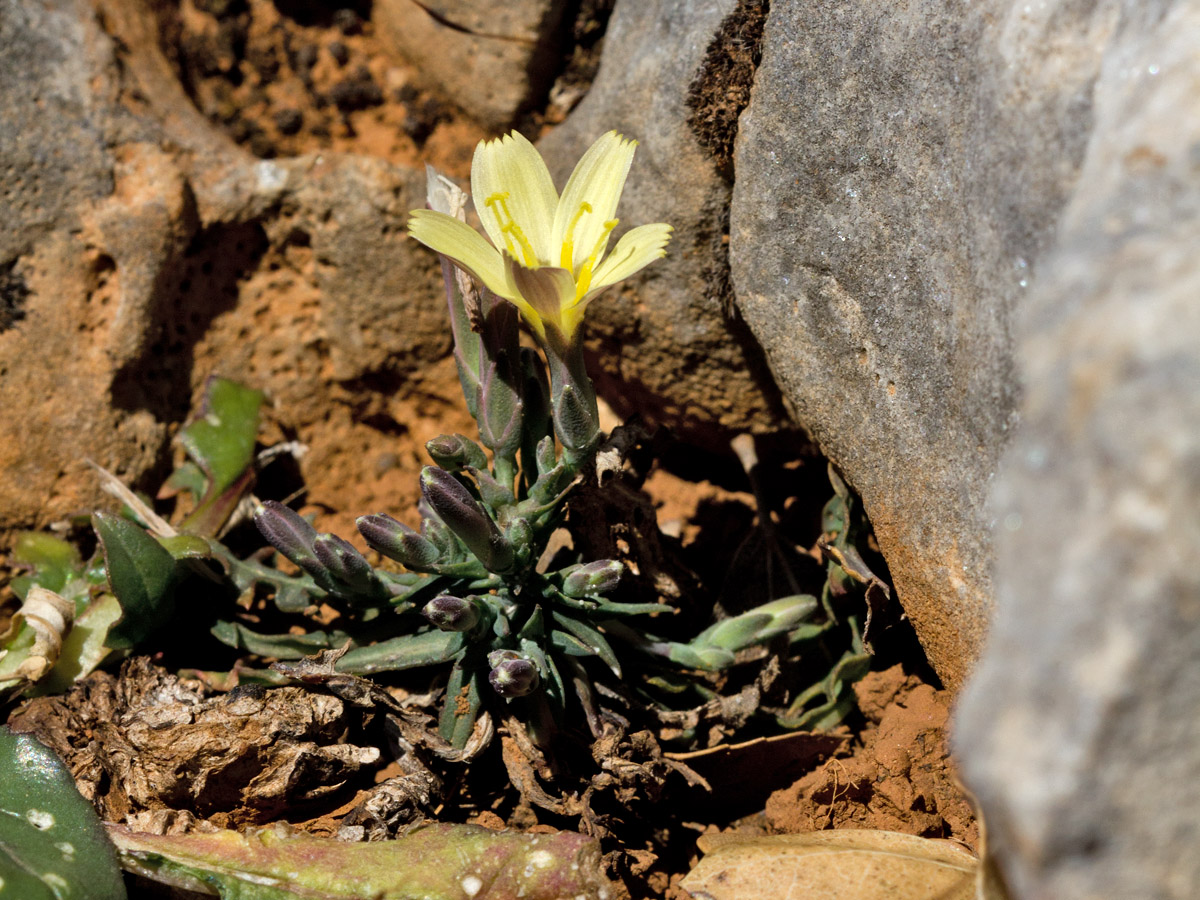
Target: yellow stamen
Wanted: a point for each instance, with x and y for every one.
(510, 229)
(567, 261)
(584, 280)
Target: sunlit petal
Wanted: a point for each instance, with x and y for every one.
(598, 180)
(511, 186)
(636, 249)
(463, 244)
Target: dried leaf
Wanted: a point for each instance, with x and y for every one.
(832, 865)
(435, 862)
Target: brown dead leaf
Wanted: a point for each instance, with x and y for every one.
(832, 865)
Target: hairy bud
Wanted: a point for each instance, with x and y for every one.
(450, 613)
(455, 451)
(286, 531)
(345, 563)
(512, 675)
(463, 515)
(397, 541)
(597, 577)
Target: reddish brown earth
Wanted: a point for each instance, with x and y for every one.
(896, 776)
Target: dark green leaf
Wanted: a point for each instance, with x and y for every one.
(279, 646)
(140, 573)
(591, 637)
(52, 846)
(461, 706)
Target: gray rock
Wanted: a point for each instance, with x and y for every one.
(1080, 733)
(670, 347)
(52, 142)
(899, 174)
(492, 60)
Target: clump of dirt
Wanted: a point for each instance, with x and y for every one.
(896, 777)
(318, 78)
(721, 89)
(157, 753)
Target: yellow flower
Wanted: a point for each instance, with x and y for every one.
(547, 255)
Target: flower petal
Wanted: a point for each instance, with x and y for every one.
(461, 243)
(598, 180)
(636, 249)
(547, 290)
(512, 166)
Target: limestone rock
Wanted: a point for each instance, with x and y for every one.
(144, 251)
(61, 339)
(1079, 733)
(899, 174)
(671, 347)
(492, 60)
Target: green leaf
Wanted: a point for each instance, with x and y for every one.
(462, 705)
(432, 862)
(54, 560)
(590, 637)
(407, 652)
(279, 646)
(52, 846)
(141, 573)
(220, 440)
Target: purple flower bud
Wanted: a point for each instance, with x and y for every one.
(463, 515)
(455, 451)
(344, 562)
(285, 529)
(597, 577)
(450, 613)
(514, 677)
(397, 541)
(500, 405)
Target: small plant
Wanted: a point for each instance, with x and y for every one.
(521, 633)
(512, 630)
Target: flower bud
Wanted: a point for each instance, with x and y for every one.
(597, 577)
(494, 494)
(575, 422)
(397, 541)
(514, 677)
(345, 563)
(463, 515)
(500, 406)
(286, 531)
(546, 456)
(455, 451)
(450, 613)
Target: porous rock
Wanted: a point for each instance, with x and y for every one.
(60, 338)
(492, 60)
(671, 347)
(144, 248)
(1079, 732)
(899, 174)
